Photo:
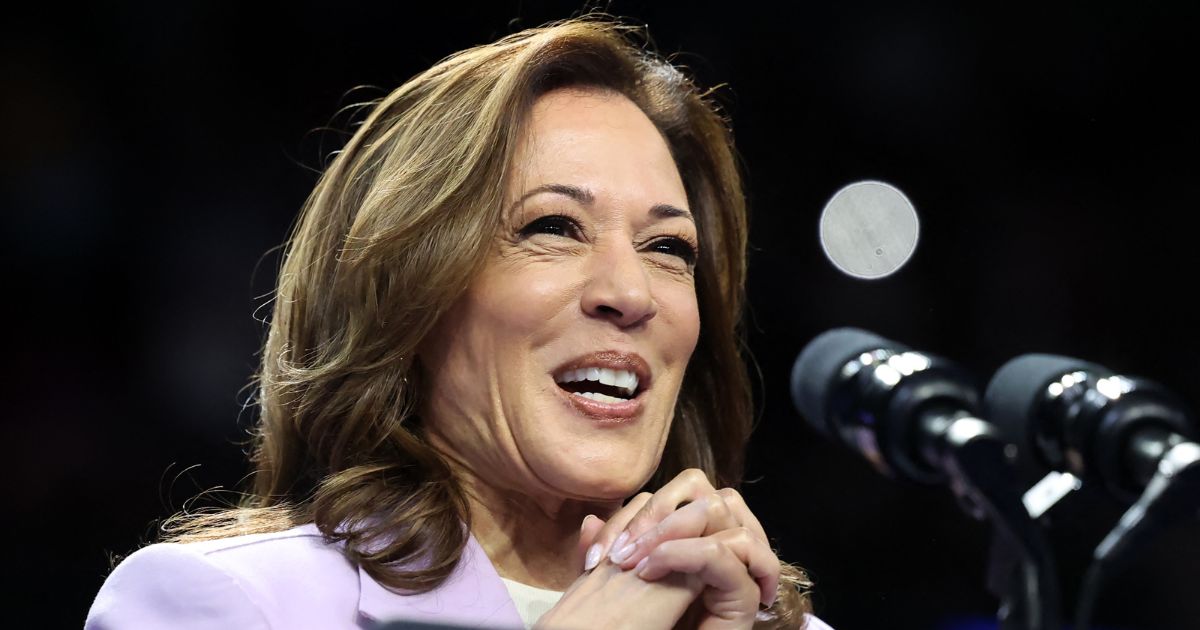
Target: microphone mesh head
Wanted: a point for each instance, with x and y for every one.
(1019, 385)
(819, 365)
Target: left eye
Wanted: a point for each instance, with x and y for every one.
(675, 247)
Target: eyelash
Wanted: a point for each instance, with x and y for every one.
(565, 225)
(562, 225)
(680, 247)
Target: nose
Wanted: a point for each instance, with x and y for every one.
(618, 287)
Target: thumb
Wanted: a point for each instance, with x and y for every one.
(591, 527)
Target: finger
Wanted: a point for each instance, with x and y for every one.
(741, 511)
(715, 564)
(758, 557)
(588, 531)
(609, 597)
(611, 531)
(699, 518)
(758, 560)
(689, 485)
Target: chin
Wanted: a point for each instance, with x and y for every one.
(599, 479)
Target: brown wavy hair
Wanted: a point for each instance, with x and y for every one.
(399, 223)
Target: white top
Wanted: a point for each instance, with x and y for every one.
(532, 602)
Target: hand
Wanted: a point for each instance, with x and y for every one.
(609, 597)
(714, 538)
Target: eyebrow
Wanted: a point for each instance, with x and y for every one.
(582, 195)
(585, 197)
(666, 211)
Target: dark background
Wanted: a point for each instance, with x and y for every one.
(154, 153)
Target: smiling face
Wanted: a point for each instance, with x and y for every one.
(555, 375)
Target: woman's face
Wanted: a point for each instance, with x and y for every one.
(556, 373)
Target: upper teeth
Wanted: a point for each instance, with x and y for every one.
(622, 379)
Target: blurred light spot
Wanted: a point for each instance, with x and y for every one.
(869, 229)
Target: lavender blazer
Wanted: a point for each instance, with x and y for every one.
(289, 580)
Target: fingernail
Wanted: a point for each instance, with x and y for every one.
(621, 554)
(592, 558)
(641, 565)
(585, 521)
(617, 545)
(762, 615)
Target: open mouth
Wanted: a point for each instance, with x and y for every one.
(604, 385)
(605, 382)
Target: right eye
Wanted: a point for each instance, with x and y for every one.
(554, 224)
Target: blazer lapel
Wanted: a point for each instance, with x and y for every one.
(473, 595)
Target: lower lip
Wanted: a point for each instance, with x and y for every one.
(605, 413)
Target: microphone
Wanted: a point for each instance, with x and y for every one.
(1128, 433)
(890, 404)
(1080, 417)
(915, 416)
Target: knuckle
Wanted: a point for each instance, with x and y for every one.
(717, 506)
(731, 496)
(694, 476)
(742, 535)
(664, 549)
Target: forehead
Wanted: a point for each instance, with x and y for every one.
(598, 139)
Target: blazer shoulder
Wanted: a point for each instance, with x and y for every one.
(288, 579)
(172, 586)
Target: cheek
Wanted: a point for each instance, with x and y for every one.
(524, 301)
(681, 313)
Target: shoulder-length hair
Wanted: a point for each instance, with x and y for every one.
(399, 223)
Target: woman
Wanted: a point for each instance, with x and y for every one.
(511, 302)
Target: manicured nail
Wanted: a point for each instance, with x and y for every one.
(623, 553)
(763, 615)
(585, 521)
(617, 545)
(641, 565)
(592, 558)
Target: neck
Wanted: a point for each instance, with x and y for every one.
(535, 542)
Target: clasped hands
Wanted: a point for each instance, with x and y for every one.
(688, 555)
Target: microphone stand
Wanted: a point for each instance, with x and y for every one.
(976, 460)
(912, 416)
(1171, 494)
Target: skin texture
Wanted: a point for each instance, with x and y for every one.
(594, 255)
(686, 529)
(609, 277)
